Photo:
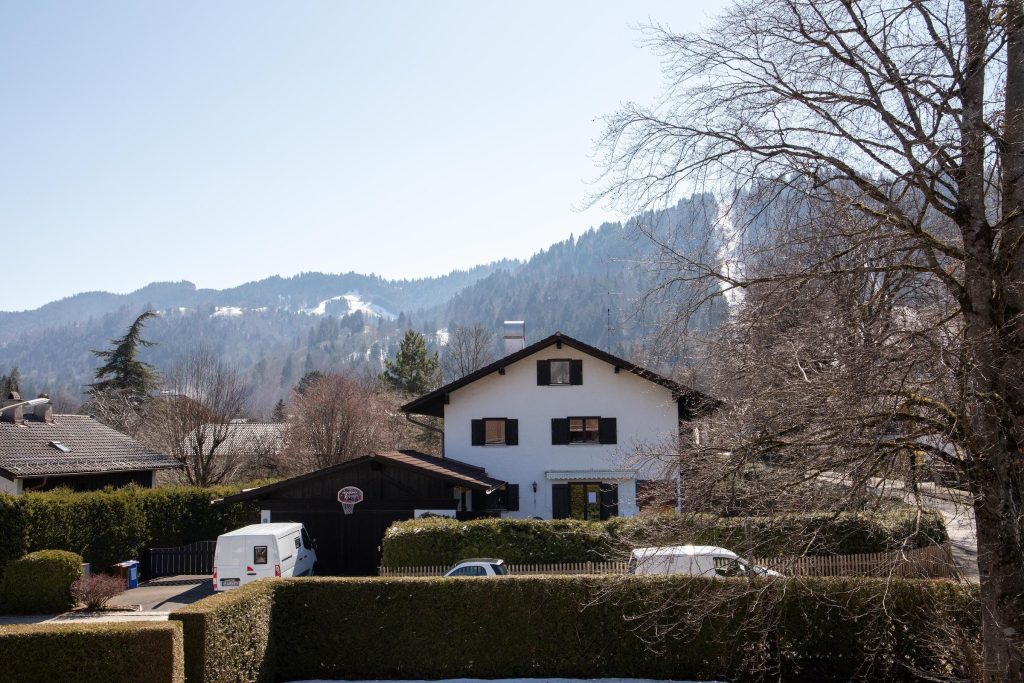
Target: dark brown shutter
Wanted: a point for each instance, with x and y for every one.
(511, 432)
(560, 501)
(478, 433)
(607, 430)
(559, 431)
(575, 372)
(609, 500)
(543, 373)
(512, 497)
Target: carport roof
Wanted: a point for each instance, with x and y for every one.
(455, 471)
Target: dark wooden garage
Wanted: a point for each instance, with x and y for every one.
(394, 485)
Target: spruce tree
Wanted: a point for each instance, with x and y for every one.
(123, 371)
(414, 370)
(9, 383)
(280, 414)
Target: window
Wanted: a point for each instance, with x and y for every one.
(60, 446)
(259, 554)
(298, 543)
(306, 540)
(559, 372)
(499, 569)
(584, 500)
(494, 432)
(472, 570)
(584, 430)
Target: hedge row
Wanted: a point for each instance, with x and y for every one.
(40, 583)
(227, 636)
(86, 653)
(824, 629)
(436, 541)
(113, 525)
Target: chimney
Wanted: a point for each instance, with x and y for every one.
(515, 336)
(43, 411)
(15, 415)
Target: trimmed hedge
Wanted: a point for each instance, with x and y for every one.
(824, 629)
(40, 583)
(442, 541)
(114, 525)
(227, 636)
(86, 653)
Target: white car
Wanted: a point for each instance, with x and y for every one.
(478, 566)
(695, 560)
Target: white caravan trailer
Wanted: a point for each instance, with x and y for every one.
(260, 551)
(695, 560)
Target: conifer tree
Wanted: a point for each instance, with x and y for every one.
(280, 414)
(414, 370)
(9, 383)
(123, 371)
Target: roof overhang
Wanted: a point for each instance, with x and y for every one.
(590, 475)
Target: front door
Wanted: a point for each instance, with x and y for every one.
(585, 500)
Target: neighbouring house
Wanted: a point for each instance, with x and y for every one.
(561, 422)
(249, 449)
(40, 451)
(393, 486)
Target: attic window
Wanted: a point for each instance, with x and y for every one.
(60, 446)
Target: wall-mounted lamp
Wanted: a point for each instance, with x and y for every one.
(535, 487)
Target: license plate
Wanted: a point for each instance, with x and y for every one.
(228, 582)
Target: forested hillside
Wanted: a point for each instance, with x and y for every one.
(276, 329)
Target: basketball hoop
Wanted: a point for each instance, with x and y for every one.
(348, 497)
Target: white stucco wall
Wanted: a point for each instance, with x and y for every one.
(644, 412)
(8, 486)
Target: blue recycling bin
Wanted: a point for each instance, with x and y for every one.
(130, 571)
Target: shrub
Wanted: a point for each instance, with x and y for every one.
(40, 582)
(86, 653)
(96, 590)
(441, 541)
(227, 636)
(13, 530)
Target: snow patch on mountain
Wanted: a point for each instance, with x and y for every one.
(227, 312)
(354, 303)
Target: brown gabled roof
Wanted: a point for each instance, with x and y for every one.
(89, 447)
(455, 471)
(690, 400)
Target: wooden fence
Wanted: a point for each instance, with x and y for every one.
(194, 558)
(934, 562)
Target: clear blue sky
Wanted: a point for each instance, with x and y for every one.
(222, 142)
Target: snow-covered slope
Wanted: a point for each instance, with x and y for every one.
(354, 303)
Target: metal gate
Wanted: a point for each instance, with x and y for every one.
(194, 558)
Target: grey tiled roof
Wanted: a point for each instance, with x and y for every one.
(26, 450)
(249, 438)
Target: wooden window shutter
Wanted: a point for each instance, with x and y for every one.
(559, 431)
(609, 500)
(607, 430)
(575, 372)
(543, 373)
(512, 497)
(478, 433)
(560, 501)
(511, 432)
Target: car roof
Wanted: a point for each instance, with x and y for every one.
(488, 560)
(671, 550)
(272, 529)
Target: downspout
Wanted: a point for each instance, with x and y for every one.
(432, 428)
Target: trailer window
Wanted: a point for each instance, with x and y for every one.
(259, 554)
(298, 543)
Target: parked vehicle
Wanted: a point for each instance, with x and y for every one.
(261, 551)
(478, 566)
(695, 560)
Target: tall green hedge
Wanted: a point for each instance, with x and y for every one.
(114, 525)
(441, 541)
(40, 583)
(87, 653)
(821, 630)
(227, 636)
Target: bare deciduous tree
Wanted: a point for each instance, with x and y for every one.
(909, 117)
(469, 348)
(336, 418)
(198, 414)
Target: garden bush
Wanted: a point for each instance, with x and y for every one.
(227, 636)
(443, 541)
(822, 629)
(87, 653)
(40, 582)
(114, 525)
(96, 590)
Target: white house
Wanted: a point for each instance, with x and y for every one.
(561, 421)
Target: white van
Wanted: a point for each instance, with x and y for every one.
(695, 560)
(260, 551)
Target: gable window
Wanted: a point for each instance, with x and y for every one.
(559, 372)
(584, 430)
(495, 431)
